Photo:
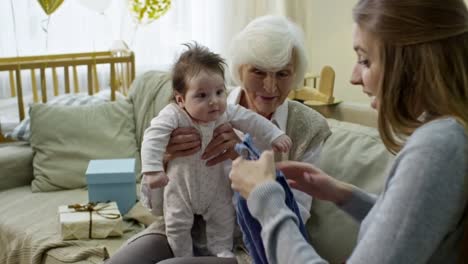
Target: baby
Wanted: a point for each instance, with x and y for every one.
(190, 186)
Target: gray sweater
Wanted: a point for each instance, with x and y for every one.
(416, 219)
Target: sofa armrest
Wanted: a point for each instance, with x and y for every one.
(15, 165)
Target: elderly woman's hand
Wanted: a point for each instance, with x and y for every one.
(246, 174)
(221, 147)
(184, 141)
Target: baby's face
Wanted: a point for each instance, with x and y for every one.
(205, 98)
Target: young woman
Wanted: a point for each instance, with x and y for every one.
(412, 60)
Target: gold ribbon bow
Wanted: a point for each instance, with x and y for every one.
(92, 207)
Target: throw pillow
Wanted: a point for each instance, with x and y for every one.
(65, 138)
(22, 131)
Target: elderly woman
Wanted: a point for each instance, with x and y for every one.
(267, 60)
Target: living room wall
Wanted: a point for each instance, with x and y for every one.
(328, 25)
(330, 39)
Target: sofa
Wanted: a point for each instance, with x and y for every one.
(38, 176)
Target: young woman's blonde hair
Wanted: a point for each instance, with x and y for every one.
(424, 52)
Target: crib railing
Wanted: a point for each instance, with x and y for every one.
(121, 73)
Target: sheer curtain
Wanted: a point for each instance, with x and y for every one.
(75, 28)
(25, 29)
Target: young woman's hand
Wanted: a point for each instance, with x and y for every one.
(184, 141)
(246, 174)
(311, 180)
(221, 147)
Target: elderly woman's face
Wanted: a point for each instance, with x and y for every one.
(265, 89)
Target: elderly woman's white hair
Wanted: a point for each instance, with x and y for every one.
(268, 42)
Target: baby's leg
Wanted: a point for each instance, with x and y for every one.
(179, 221)
(220, 221)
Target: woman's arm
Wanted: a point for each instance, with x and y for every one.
(314, 182)
(254, 180)
(304, 200)
(265, 198)
(282, 239)
(415, 220)
(420, 209)
(358, 204)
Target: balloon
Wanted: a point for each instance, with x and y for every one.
(49, 6)
(96, 5)
(147, 11)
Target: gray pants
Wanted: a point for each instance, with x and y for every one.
(154, 248)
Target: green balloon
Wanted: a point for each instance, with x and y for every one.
(49, 6)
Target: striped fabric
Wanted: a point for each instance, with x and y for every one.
(22, 132)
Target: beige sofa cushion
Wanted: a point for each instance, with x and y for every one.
(353, 154)
(65, 138)
(15, 165)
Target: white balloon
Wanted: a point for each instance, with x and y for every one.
(96, 5)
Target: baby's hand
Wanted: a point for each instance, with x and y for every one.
(156, 179)
(282, 144)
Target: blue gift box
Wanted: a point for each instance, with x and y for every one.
(112, 180)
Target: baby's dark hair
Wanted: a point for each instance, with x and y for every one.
(191, 62)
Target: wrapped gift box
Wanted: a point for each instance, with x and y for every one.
(89, 221)
(112, 180)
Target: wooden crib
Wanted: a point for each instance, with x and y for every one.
(66, 68)
(122, 73)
